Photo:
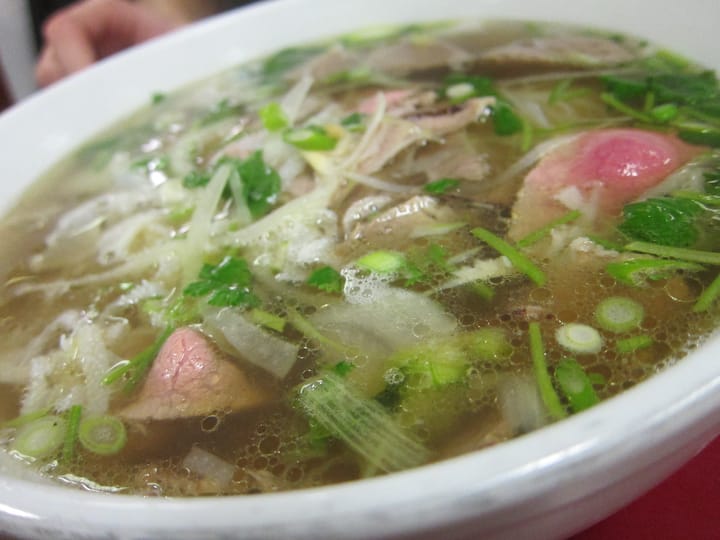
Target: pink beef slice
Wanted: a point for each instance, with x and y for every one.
(190, 378)
(598, 172)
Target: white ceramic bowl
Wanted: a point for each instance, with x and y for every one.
(547, 484)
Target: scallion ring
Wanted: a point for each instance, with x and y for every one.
(104, 435)
(619, 314)
(41, 438)
(579, 338)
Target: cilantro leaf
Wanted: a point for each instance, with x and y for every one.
(343, 367)
(675, 96)
(667, 221)
(195, 179)
(261, 183)
(230, 271)
(222, 110)
(353, 122)
(459, 87)
(505, 120)
(227, 283)
(684, 88)
(439, 187)
(712, 182)
(327, 279)
(288, 58)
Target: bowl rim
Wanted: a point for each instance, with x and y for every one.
(672, 405)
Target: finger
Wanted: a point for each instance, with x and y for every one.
(92, 29)
(48, 70)
(70, 42)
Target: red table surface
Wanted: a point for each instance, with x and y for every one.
(685, 506)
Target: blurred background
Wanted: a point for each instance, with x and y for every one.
(22, 41)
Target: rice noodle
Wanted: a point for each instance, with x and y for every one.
(304, 209)
(369, 135)
(117, 241)
(164, 256)
(376, 183)
(533, 156)
(292, 102)
(15, 362)
(199, 227)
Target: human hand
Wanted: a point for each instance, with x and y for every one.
(89, 30)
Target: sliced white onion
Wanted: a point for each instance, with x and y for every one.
(207, 465)
(268, 352)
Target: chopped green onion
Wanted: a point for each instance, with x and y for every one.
(615, 103)
(25, 419)
(273, 117)
(268, 320)
(439, 187)
(138, 366)
(685, 254)
(41, 438)
(664, 113)
(636, 271)
(605, 243)
(579, 338)
(457, 93)
(103, 435)
(562, 92)
(363, 424)
(618, 314)
(547, 391)
(701, 135)
(516, 258)
(527, 136)
(542, 232)
(708, 296)
(576, 385)
(353, 122)
(703, 198)
(382, 262)
(487, 343)
(311, 138)
(633, 343)
(327, 279)
(305, 327)
(482, 289)
(71, 435)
